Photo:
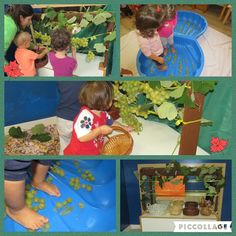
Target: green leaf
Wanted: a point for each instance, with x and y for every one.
(176, 181)
(16, 132)
(212, 170)
(83, 23)
(38, 129)
(61, 19)
(88, 16)
(167, 110)
(106, 14)
(186, 100)
(205, 122)
(51, 13)
(177, 93)
(145, 107)
(110, 37)
(45, 137)
(99, 19)
(203, 87)
(167, 84)
(100, 47)
(154, 84)
(203, 171)
(72, 20)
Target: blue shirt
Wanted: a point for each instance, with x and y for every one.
(68, 106)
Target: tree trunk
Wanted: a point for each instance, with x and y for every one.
(190, 132)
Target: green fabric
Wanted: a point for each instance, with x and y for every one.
(94, 30)
(218, 108)
(10, 30)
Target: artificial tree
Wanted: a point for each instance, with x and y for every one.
(176, 101)
(79, 24)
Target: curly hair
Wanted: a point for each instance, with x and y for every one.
(148, 19)
(60, 39)
(169, 11)
(96, 95)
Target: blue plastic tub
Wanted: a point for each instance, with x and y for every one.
(99, 211)
(190, 24)
(187, 61)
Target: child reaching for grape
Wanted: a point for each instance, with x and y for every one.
(166, 31)
(148, 19)
(15, 172)
(93, 121)
(62, 64)
(25, 57)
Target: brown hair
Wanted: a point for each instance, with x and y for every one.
(17, 10)
(60, 39)
(96, 95)
(169, 11)
(148, 19)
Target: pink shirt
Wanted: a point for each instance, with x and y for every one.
(168, 28)
(62, 66)
(150, 46)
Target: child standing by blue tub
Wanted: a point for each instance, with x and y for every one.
(148, 20)
(93, 121)
(15, 172)
(62, 64)
(166, 31)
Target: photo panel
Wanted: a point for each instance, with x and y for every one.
(58, 40)
(60, 195)
(176, 196)
(176, 40)
(118, 118)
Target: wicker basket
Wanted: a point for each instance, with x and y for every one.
(119, 144)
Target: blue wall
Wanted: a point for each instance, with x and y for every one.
(130, 203)
(27, 101)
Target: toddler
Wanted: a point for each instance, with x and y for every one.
(25, 57)
(14, 190)
(166, 31)
(62, 64)
(148, 19)
(92, 122)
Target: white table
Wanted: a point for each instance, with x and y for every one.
(84, 68)
(217, 49)
(155, 139)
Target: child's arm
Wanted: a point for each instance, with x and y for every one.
(73, 50)
(43, 53)
(104, 129)
(156, 58)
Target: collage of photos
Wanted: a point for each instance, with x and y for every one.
(145, 147)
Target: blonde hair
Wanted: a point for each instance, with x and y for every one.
(21, 38)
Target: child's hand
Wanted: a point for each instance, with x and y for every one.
(128, 128)
(46, 50)
(105, 129)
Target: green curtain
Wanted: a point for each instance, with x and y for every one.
(218, 108)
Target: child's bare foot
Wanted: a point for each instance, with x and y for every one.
(165, 51)
(27, 217)
(173, 49)
(47, 188)
(162, 67)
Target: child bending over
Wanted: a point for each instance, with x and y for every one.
(166, 31)
(62, 64)
(14, 190)
(148, 19)
(25, 57)
(93, 121)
